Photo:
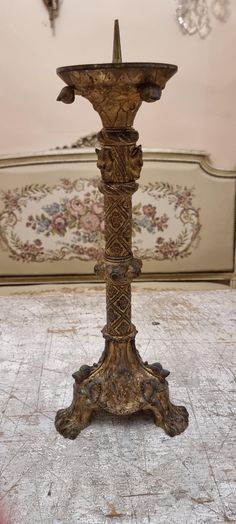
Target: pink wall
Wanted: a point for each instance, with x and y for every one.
(198, 108)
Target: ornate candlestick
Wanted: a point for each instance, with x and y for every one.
(121, 383)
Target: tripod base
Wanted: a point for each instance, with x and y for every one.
(121, 384)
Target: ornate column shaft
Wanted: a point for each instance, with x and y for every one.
(120, 162)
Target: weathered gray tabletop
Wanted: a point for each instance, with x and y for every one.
(121, 468)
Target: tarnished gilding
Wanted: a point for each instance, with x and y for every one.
(120, 383)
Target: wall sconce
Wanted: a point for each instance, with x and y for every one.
(53, 7)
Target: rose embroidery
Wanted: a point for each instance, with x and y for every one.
(76, 207)
(58, 222)
(90, 222)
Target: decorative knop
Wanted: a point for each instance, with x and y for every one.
(66, 95)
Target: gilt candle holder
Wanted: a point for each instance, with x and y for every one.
(120, 383)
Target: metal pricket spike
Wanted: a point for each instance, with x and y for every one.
(117, 56)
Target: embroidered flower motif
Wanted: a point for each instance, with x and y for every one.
(162, 222)
(147, 220)
(168, 249)
(98, 208)
(159, 240)
(59, 222)
(149, 210)
(38, 242)
(90, 222)
(182, 197)
(52, 209)
(70, 224)
(12, 201)
(76, 207)
(30, 252)
(41, 225)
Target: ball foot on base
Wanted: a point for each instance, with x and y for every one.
(173, 420)
(69, 423)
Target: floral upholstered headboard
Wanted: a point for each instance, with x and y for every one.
(52, 217)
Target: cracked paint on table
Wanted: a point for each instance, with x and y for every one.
(121, 468)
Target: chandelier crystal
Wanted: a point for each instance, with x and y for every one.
(194, 16)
